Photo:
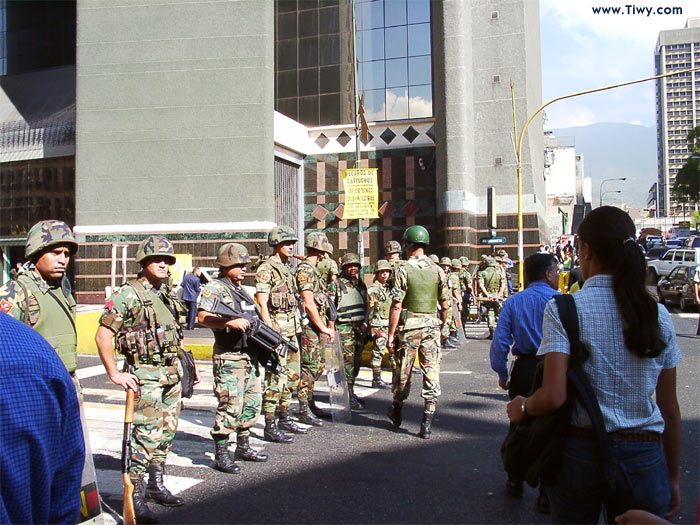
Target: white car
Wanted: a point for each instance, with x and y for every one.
(672, 258)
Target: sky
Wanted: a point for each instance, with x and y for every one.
(582, 50)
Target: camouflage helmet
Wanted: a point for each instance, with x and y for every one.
(328, 247)
(382, 264)
(48, 233)
(280, 234)
(316, 241)
(464, 260)
(490, 261)
(416, 235)
(434, 258)
(392, 247)
(350, 259)
(155, 245)
(456, 263)
(502, 253)
(231, 254)
(445, 261)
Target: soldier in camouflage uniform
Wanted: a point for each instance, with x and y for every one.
(144, 321)
(419, 286)
(465, 279)
(453, 278)
(276, 293)
(490, 289)
(235, 365)
(377, 317)
(350, 299)
(450, 326)
(434, 258)
(315, 300)
(327, 267)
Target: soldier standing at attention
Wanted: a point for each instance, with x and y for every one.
(377, 317)
(449, 325)
(144, 321)
(491, 286)
(315, 300)
(419, 286)
(235, 365)
(276, 293)
(350, 298)
(457, 293)
(465, 279)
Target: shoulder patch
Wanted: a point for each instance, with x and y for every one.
(5, 306)
(206, 292)
(302, 277)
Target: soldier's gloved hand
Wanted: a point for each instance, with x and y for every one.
(126, 381)
(238, 324)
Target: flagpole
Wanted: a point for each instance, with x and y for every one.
(360, 239)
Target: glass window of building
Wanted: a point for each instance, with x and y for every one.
(395, 58)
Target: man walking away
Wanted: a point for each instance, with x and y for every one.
(190, 291)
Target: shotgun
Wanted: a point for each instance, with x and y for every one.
(129, 513)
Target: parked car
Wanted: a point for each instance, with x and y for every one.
(692, 242)
(672, 258)
(655, 253)
(674, 243)
(653, 239)
(677, 287)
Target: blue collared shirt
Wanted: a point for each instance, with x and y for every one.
(519, 326)
(41, 436)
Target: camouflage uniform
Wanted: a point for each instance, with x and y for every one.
(379, 300)
(420, 331)
(350, 298)
(449, 325)
(328, 269)
(465, 279)
(491, 280)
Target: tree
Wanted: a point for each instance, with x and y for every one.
(686, 188)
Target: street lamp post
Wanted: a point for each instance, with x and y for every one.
(601, 188)
(608, 191)
(519, 149)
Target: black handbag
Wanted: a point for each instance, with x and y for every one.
(532, 448)
(188, 375)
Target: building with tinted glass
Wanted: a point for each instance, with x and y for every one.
(210, 122)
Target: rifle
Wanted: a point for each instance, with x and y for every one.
(269, 343)
(129, 513)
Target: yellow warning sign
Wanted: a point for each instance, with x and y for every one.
(361, 194)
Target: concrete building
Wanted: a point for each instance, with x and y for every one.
(214, 121)
(676, 105)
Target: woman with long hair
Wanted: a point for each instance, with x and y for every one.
(633, 354)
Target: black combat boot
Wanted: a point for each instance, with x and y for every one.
(223, 461)
(318, 411)
(394, 414)
(355, 403)
(272, 433)
(446, 343)
(377, 380)
(156, 491)
(454, 338)
(306, 417)
(142, 513)
(425, 426)
(247, 453)
(286, 423)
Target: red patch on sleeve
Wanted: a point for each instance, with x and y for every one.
(109, 305)
(5, 306)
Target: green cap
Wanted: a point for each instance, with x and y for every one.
(416, 235)
(153, 246)
(48, 233)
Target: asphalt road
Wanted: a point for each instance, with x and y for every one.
(364, 471)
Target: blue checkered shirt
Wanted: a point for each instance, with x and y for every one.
(41, 437)
(624, 383)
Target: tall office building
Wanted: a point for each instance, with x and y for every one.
(676, 105)
(213, 121)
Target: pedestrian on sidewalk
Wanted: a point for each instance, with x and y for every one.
(519, 331)
(190, 291)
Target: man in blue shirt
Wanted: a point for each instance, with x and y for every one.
(519, 331)
(43, 450)
(190, 292)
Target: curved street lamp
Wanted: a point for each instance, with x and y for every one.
(606, 192)
(600, 192)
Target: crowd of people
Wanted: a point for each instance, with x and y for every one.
(410, 309)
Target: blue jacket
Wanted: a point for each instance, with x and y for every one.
(190, 287)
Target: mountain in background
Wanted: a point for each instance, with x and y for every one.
(613, 150)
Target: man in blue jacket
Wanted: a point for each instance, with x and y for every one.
(519, 331)
(190, 291)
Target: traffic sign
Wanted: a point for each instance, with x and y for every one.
(492, 240)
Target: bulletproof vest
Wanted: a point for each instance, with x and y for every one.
(351, 306)
(319, 291)
(226, 339)
(492, 280)
(163, 334)
(381, 311)
(282, 298)
(422, 286)
(52, 314)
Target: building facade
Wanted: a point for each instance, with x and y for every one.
(676, 105)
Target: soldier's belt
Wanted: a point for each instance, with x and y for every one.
(421, 315)
(284, 316)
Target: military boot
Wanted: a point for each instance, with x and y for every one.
(425, 426)
(377, 380)
(306, 417)
(318, 411)
(223, 461)
(247, 453)
(394, 414)
(272, 433)
(355, 403)
(141, 511)
(286, 423)
(446, 343)
(454, 339)
(156, 491)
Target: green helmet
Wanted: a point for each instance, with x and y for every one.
(328, 247)
(456, 263)
(392, 247)
(434, 258)
(48, 233)
(490, 261)
(280, 234)
(464, 260)
(382, 264)
(317, 241)
(350, 259)
(445, 261)
(155, 245)
(416, 235)
(231, 254)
